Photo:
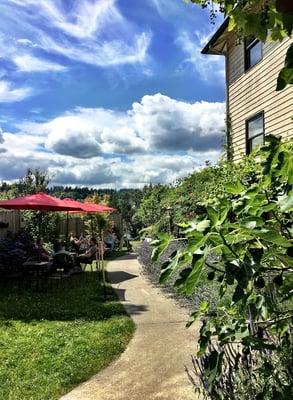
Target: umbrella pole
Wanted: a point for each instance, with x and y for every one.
(103, 266)
(92, 225)
(67, 222)
(99, 259)
(40, 223)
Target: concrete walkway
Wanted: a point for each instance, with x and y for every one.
(153, 365)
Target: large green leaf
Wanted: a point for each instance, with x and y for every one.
(213, 215)
(160, 245)
(193, 277)
(196, 241)
(196, 225)
(234, 188)
(285, 259)
(185, 258)
(252, 222)
(238, 236)
(213, 366)
(169, 268)
(274, 237)
(285, 202)
(204, 337)
(203, 307)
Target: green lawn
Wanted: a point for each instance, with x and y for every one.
(52, 341)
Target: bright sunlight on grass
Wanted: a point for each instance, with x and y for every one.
(51, 341)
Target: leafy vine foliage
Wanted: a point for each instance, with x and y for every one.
(244, 239)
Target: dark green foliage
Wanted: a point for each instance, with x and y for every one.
(152, 210)
(127, 201)
(14, 252)
(191, 195)
(77, 193)
(34, 181)
(248, 231)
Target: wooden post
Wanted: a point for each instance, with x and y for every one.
(40, 224)
(103, 265)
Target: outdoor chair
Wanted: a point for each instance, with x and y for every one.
(62, 262)
(61, 266)
(90, 261)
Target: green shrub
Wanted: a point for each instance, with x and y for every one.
(248, 230)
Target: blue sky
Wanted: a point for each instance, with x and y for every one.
(108, 93)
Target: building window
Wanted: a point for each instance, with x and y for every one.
(253, 52)
(254, 132)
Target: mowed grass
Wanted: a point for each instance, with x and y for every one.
(52, 341)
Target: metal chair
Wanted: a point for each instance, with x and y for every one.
(90, 261)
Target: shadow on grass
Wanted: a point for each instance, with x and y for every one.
(77, 298)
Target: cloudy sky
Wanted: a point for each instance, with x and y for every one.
(108, 93)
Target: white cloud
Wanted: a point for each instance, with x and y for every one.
(91, 32)
(89, 17)
(82, 20)
(109, 53)
(135, 172)
(173, 125)
(8, 94)
(210, 68)
(29, 63)
(158, 140)
(156, 124)
(26, 42)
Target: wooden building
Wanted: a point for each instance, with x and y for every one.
(254, 107)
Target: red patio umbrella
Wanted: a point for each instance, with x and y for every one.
(38, 202)
(99, 208)
(87, 208)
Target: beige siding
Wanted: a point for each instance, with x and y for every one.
(235, 60)
(254, 91)
(236, 57)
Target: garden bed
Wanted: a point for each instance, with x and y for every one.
(206, 289)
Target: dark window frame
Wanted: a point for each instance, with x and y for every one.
(249, 44)
(249, 149)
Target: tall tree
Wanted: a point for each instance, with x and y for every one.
(34, 181)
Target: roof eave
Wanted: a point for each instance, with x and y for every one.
(208, 49)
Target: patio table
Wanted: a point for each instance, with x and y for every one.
(37, 264)
(37, 268)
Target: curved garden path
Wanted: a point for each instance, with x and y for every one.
(153, 365)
